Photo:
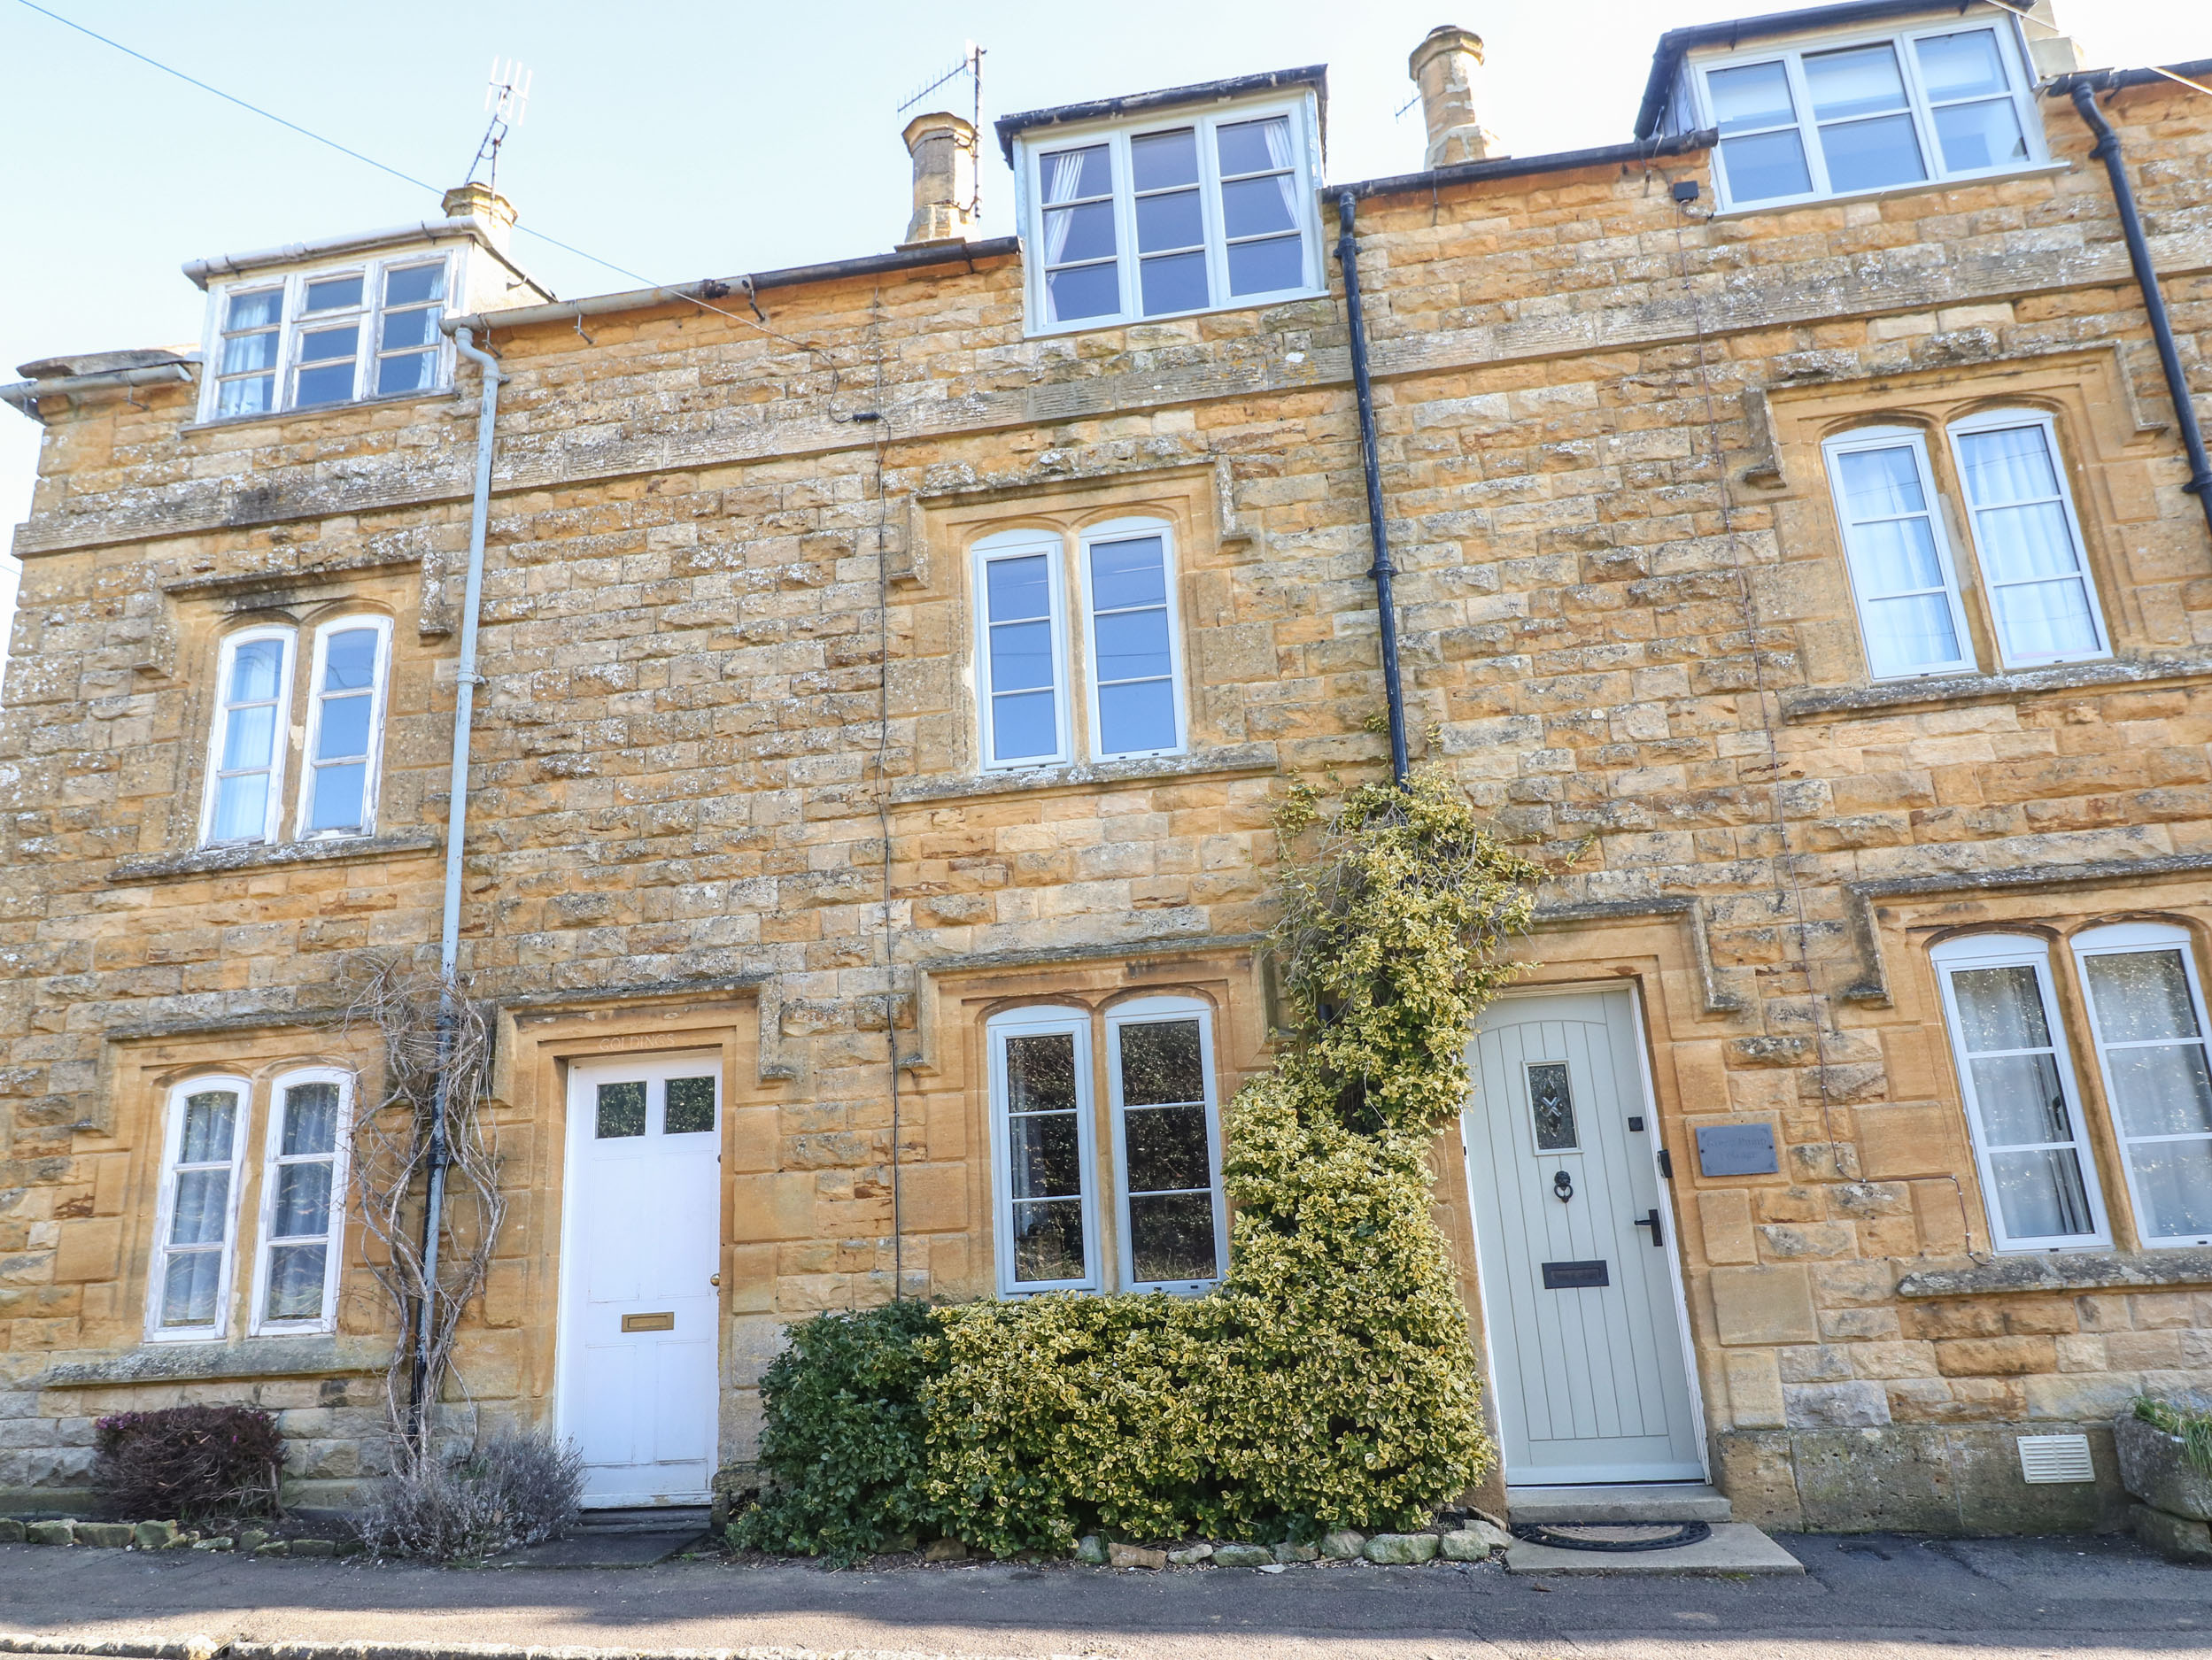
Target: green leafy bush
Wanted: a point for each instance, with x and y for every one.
(1329, 1381)
(844, 1445)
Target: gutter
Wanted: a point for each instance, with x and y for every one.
(25, 396)
(1378, 532)
(1518, 166)
(2083, 91)
(456, 833)
(735, 288)
(236, 265)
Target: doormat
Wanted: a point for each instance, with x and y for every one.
(1613, 1535)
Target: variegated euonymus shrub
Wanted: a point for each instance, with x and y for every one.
(1329, 1381)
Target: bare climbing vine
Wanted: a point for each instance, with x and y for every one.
(393, 1152)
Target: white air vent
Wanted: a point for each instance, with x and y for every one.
(2056, 1458)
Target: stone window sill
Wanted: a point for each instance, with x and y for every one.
(2061, 1270)
(203, 861)
(217, 1361)
(1958, 689)
(1231, 762)
(2041, 169)
(224, 423)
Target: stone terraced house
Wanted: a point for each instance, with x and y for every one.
(885, 671)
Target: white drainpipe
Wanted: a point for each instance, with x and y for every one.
(456, 833)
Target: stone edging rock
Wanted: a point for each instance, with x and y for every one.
(252, 1542)
(1473, 1542)
(2173, 1512)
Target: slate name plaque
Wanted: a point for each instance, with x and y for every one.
(1737, 1150)
(1575, 1276)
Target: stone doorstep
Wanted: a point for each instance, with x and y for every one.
(1734, 1547)
(1657, 1502)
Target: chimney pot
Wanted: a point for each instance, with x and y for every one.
(1447, 66)
(943, 147)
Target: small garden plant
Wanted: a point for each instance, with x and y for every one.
(1328, 1382)
(2194, 1430)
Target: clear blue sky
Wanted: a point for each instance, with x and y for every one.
(685, 140)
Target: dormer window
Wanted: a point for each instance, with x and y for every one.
(1169, 216)
(1846, 116)
(314, 339)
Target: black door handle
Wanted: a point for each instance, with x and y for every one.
(1651, 1219)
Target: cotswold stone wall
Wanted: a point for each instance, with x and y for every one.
(1626, 631)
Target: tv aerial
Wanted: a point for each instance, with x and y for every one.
(506, 96)
(971, 64)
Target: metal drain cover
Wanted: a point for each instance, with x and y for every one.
(1613, 1535)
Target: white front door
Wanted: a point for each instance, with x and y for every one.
(640, 1237)
(1575, 1241)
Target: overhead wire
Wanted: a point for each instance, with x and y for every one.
(421, 184)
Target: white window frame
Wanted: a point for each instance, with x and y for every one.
(1032, 146)
(372, 776)
(1791, 55)
(367, 347)
(1124, 530)
(1022, 544)
(1998, 950)
(1152, 1011)
(2000, 420)
(257, 1323)
(165, 1209)
(2118, 940)
(280, 742)
(1867, 438)
(1041, 1021)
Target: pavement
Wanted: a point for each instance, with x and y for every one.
(1882, 1596)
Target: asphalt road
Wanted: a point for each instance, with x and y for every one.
(1873, 1595)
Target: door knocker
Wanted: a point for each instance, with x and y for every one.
(1563, 1186)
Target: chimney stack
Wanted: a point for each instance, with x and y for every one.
(480, 202)
(944, 151)
(1447, 68)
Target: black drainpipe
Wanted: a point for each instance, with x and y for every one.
(2107, 151)
(1347, 257)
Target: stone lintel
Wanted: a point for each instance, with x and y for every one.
(1715, 998)
(1860, 898)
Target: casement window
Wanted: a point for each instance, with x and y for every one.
(1173, 1233)
(245, 763)
(1126, 646)
(2039, 1175)
(1187, 213)
(2147, 1015)
(195, 1253)
(1902, 574)
(303, 1203)
(249, 750)
(1020, 650)
(346, 721)
(1845, 116)
(2043, 603)
(2039, 597)
(1161, 1184)
(313, 340)
(1044, 1151)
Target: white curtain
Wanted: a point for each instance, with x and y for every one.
(1064, 174)
(1277, 136)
